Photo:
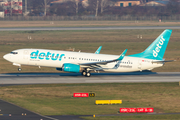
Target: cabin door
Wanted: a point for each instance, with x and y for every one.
(139, 64)
(26, 56)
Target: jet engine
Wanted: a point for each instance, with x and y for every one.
(68, 67)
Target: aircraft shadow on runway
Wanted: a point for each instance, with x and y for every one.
(79, 74)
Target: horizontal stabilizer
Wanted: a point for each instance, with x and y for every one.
(163, 61)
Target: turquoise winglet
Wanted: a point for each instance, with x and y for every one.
(122, 55)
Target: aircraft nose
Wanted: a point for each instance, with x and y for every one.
(6, 57)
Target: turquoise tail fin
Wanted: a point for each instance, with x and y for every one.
(157, 49)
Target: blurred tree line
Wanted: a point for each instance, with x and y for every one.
(1, 8)
(98, 8)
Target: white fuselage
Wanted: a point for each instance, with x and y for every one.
(56, 58)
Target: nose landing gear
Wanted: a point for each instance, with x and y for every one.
(19, 69)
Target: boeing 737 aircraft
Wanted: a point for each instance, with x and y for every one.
(69, 61)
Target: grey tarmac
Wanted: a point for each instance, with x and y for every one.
(54, 78)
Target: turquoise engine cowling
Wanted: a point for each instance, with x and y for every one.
(68, 67)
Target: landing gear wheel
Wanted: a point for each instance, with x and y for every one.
(88, 74)
(19, 69)
(84, 73)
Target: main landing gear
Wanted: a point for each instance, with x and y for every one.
(86, 73)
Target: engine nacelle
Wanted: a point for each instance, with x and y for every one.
(68, 67)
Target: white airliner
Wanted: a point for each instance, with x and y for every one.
(69, 61)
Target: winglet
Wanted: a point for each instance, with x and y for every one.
(122, 55)
(98, 50)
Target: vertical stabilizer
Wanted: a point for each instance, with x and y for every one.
(157, 49)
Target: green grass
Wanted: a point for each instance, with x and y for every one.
(5, 24)
(56, 99)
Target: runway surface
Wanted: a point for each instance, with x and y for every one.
(88, 28)
(48, 78)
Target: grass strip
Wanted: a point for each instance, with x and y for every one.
(56, 99)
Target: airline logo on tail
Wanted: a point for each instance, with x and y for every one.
(159, 46)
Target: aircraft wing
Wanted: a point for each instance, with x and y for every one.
(105, 62)
(98, 50)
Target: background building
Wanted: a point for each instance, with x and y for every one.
(126, 3)
(155, 3)
(12, 7)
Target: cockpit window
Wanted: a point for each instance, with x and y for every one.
(14, 52)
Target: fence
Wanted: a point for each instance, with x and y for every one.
(90, 18)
